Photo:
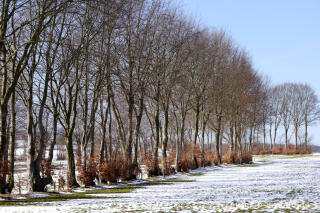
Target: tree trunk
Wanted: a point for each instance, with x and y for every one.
(137, 130)
(92, 141)
(71, 122)
(155, 148)
(165, 135)
(236, 145)
(238, 140)
(94, 108)
(231, 147)
(40, 120)
(110, 134)
(275, 136)
(104, 122)
(270, 135)
(30, 146)
(217, 138)
(54, 135)
(306, 134)
(286, 137)
(85, 134)
(264, 136)
(179, 143)
(3, 152)
(202, 134)
(220, 139)
(296, 136)
(196, 130)
(36, 182)
(251, 139)
(12, 143)
(84, 155)
(72, 182)
(203, 126)
(31, 143)
(102, 148)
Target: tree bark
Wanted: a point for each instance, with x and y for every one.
(12, 143)
(137, 130)
(251, 139)
(217, 138)
(231, 146)
(165, 134)
(157, 134)
(104, 122)
(196, 130)
(306, 134)
(179, 142)
(3, 145)
(296, 136)
(203, 126)
(72, 182)
(286, 137)
(264, 135)
(54, 135)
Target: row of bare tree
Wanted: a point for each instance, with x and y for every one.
(129, 77)
(290, 106)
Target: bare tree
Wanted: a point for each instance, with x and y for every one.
(297, 109)
(68, 80)
(275, 119)
(15, 54)
(285, 95)
(310, 109)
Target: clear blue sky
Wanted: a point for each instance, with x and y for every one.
(282, 36)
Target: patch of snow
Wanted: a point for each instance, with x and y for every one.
(78, 190)
(65, 193)
(274, 183)
(20, 198)
(37, 195)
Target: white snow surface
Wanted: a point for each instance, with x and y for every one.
(272, 183)
(37, 195)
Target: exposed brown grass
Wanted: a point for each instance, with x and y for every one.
(186, 162)
(61, 182)
(246, 157)
(190, 159)
(88, 174)
(281, 149)
(129, 171)
(152, 167)
(236, 158)
(116, 169)
(109, 172)
(211, 157)
(166, 165)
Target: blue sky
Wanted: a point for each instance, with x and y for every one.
(282, 36)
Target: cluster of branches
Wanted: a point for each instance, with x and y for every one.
(121, 77)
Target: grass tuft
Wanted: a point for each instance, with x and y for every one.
(196, 175)
(50, 198)
(170, 180)
(249, 165)
(115, 190)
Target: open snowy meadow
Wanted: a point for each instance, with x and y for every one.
(271, 183)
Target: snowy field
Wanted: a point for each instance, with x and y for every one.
(272, 183)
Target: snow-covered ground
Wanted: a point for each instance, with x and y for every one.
(272, 183)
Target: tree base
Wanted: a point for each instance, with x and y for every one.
(40, 184)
